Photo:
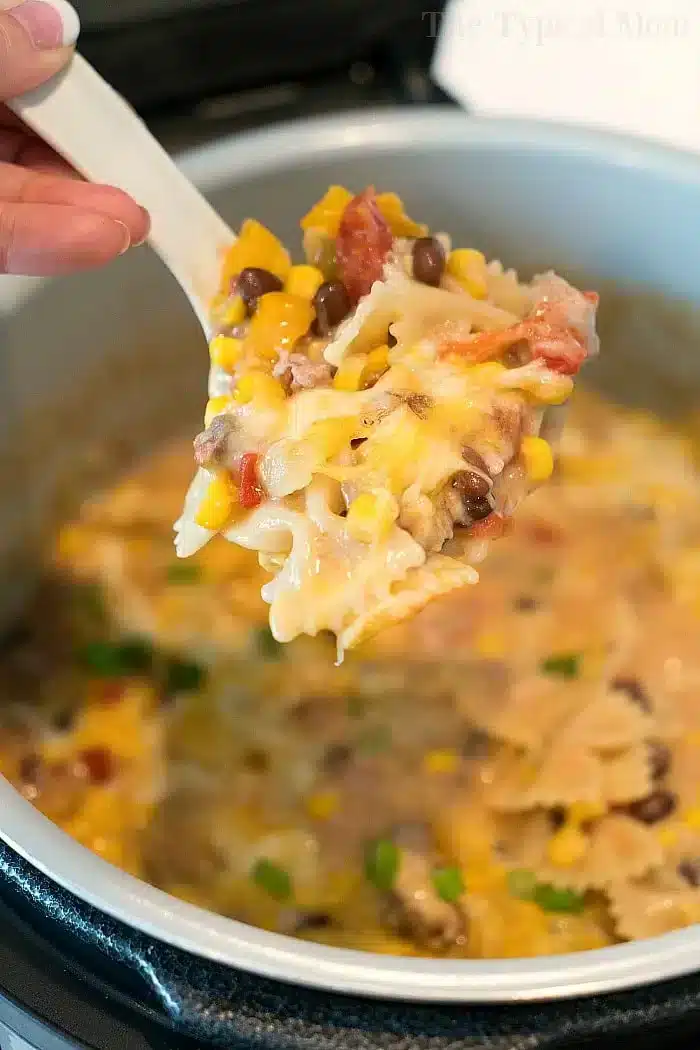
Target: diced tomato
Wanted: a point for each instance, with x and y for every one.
(491, 528)
(560, 347)
(251, 492)
(484, 345)
(363, 243)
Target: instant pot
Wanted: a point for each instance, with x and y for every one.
(89, 956)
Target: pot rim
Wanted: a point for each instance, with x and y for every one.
(272, 955)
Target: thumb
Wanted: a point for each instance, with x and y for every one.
(36, 40)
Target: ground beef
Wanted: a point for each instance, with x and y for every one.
(298, 373)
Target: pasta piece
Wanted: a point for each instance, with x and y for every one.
(527, 716)
(567, 774)
(621, 848)
(610, 722)
(626, 776)
(647, 909)
(437, 577)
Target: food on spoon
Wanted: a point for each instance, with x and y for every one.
(376, 413)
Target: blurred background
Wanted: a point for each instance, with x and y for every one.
(197, 69)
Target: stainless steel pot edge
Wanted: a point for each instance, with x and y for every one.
(272, 955)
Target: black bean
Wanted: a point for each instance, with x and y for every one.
(518, 354)
(526, 603)
(471, 485)
(428, 261)
(689, 869)
(391, 339)
(336, 758)
(557, 817)
(653, 808)
(97, 763)
(63, 720)
(253, 282)
(475, 509)
(477, 744)
(634, 690)
(659, 759)
(332, 305)
(256, 761)
(18, 635)
(307, 922)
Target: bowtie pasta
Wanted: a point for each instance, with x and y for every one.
(377, 413)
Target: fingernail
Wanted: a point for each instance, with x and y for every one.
(127, 236)
(137, 244)
(48, 23)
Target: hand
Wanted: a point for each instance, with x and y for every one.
(51, 221)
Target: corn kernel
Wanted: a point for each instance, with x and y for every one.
(527, 771)
(691, 818)
(216, 508)
(567, 847)
(487, 373)
(441, 761)
(668, 837)
(73, 541)
(537, 457)
(327, 213)
(582, 812)
(329, 436)
(376, 365)
(350, 372)
(468, 267)
(555, 390)
(322, 805)
(490, 644)
(255, 246)
(279, 321)
(371, 515)
(234, 312)
(225, 352)
(391, 207)
(259, 387)
(484, 878)
(304, 281)
(215, 406)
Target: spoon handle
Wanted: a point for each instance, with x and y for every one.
(100, 135)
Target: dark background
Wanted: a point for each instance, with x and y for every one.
(197, 69)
